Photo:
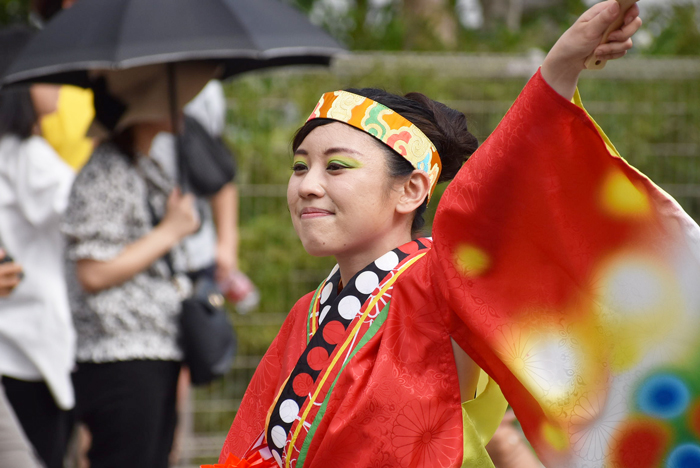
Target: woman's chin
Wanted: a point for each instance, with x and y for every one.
(316, 250)
(317, 247)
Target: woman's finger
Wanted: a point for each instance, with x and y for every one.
(626, 31)
(612, 48)
(631, 14)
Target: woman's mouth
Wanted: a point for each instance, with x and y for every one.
(309, 212)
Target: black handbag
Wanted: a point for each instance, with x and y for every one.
(206, 335)
(206, 163)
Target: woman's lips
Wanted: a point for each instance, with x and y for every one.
(308, 213)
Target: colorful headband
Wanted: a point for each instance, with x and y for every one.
(387, 126)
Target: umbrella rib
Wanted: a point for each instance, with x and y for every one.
(119, 41)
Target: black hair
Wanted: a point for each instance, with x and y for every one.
(17, 114)
(124, 141)
(446, 128)
(47, 9)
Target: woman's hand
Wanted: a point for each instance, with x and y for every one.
(10, 275)
(180, 220)
(508, 449)
(564, 63)
(181, 217)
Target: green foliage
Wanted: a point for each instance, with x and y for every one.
(679, 32)
(673, 27)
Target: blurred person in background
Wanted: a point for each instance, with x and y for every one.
(66, 128)
(124, 216)
(15, 449)
(212, 250)
(37, 340)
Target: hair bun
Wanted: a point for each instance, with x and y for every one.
(449, 133)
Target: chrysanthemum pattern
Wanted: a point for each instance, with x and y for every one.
(594, 422)
(541, 361)
(423, 435)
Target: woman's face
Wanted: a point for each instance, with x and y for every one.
(340, 193)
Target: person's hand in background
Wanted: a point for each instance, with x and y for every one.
(508, 448)
(10, 274)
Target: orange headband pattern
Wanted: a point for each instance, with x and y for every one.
(387, 126)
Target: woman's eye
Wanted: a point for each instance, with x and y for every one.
(299, 167)
(336, 166)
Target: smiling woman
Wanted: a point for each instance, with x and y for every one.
(397, 358)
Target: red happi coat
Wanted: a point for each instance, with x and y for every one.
(564, 273)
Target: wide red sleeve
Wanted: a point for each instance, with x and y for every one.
(269, 376)
(572, 279)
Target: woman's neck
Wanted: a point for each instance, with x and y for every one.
(144, 133)
(352, 263)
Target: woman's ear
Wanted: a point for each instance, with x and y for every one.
(413, 192)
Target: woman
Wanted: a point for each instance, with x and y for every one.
(380, 366)
(37, 340)
(124, 217)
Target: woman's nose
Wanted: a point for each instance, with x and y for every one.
(312, 184)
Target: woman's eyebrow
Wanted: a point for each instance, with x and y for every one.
(329, 151)
(339, 150)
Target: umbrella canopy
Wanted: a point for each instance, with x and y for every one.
(108, 34)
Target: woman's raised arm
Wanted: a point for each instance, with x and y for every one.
(564, 63)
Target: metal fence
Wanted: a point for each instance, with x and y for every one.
(649, 108)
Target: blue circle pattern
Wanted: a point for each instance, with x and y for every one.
(663, 396)
(684, 456)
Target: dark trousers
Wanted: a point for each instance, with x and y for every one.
(46, 426)
(129, 408)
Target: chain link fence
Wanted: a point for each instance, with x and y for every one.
(650, 108)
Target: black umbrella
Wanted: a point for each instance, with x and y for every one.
(102, 34)
(240, 35)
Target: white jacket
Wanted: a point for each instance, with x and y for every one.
(37, 339)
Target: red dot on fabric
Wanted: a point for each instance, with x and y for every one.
(317, 358)
(302, 384)
(333, 332)
(641, 444)
(409, 248)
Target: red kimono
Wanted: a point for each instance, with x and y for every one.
(564, 273)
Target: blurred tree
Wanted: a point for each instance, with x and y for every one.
(14, 11)
(674, 29)
(508, 26)
(510, 12)
(429, 24)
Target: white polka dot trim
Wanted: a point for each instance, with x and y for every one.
(349, 307)
(277, 457)
(324, 312)
(279, 436)
(367, 282)
(387, 262)
(289, 411)
(330, 275)
(326, 293)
